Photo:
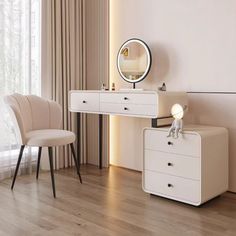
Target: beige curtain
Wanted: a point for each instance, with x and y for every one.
(63, 63)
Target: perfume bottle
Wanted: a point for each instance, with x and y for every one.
(162, 88)
(113, 88)
(103, 87)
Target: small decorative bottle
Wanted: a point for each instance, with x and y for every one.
(162, 88)
(103, 87)
(113, 88)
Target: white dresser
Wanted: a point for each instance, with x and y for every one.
(147, 104)
(190, 169)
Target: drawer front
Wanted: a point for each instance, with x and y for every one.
(183, 166)
(128, 98)
(84, 102)
(129, 109)
(186, 144)
(174, 187)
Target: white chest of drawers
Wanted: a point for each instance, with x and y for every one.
(190, 169)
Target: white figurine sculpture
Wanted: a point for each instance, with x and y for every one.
(177, 111)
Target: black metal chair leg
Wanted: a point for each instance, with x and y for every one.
(38, 163)
(100, 140)
(77, 163)
(51, 169)
(17, 165)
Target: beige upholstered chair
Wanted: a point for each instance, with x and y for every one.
(38, 123)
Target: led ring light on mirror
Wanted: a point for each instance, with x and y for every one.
(134, 61)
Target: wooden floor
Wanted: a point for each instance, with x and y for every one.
(109, 202)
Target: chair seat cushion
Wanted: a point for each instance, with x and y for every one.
(49, 137)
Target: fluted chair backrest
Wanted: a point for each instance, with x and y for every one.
(33, 113)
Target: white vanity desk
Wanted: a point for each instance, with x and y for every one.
(145, 104)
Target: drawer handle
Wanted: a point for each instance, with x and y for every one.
(126, 108)
(170, 143)
(170, 164)
(125, 98)
(170, 185)
(84, 101)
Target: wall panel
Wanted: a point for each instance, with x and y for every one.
(193, 48)
(97, 69)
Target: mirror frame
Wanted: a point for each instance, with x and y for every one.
(149, 55)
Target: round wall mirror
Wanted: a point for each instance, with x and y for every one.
(134, 61)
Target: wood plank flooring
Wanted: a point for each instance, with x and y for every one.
(109, 202)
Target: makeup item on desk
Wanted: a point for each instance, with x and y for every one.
(113, 88)
(162, 88)
(103, 87)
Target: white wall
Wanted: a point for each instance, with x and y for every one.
(193, 44)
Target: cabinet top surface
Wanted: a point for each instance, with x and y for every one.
(201, 130)
(169, 93)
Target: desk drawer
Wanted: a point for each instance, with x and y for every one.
(175, 187)
(127, 98)
(186, 144)
(84, 102)
(129, 109)
(183, 166)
